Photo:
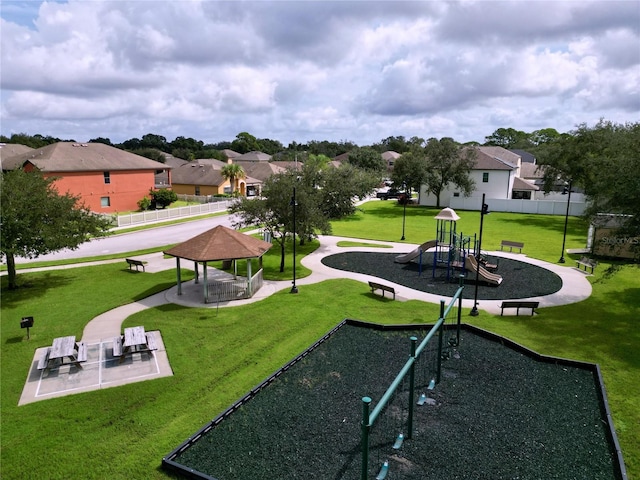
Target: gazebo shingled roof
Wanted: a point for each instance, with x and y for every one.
(220, 243)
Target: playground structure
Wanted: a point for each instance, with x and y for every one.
(399, 392)
(451, 251)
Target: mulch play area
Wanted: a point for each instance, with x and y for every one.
(497, 413)
(520, 279)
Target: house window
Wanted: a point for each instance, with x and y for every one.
(485, 177)
(107, 177)
(105, 201)
(456, 194)
(197, 190)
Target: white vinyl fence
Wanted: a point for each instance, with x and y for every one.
(541, 207)
(151, 216)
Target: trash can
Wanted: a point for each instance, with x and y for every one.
(266, 236)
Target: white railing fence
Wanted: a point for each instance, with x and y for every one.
(150, 216)
(225, 290)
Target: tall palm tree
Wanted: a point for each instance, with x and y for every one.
(231, 172)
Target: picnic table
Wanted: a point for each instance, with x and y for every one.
(64, 347)
(134, 340)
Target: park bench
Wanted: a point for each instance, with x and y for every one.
(44, 359)
(511, 245)
(82, 352)
(586, 263)
(518, 305)
(151, 341)
(383, 288)
(117, 346)
(137, 263)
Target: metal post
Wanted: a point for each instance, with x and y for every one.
(566, 221)
(440, 335)
(366, 402)
(474, 311)
(412, 381)
(459, 311)
(294, 289)
(404, 210)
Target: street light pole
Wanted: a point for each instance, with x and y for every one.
(294, 204)
(483, 210)
(404, 211)
(566, 222)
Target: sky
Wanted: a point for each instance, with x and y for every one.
(358, 71)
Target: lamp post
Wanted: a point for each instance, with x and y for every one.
(483, 211)
(294, 204)
(566, 221)
(404, 211)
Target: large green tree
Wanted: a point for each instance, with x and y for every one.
(448, 162)
(368, 159)
(410, 169)
(36, 219)
(603, 161)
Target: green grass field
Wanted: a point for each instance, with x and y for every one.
(217, 356)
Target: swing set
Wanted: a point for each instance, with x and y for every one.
(408, 373)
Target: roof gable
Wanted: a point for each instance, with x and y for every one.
(194, 173)
(220, 243)
(77, 157)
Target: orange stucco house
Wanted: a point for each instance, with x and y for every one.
(106, 178)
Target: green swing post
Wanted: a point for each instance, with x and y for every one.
(441, 328)
(412, 381)
(366, 403)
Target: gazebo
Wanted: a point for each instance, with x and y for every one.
(222, 243)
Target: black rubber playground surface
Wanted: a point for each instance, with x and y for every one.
(496, 414)
(520, 279)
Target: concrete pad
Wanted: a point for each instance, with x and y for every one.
(101, 370)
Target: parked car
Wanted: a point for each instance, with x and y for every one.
(387, 194)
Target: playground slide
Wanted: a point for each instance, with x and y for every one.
(471, 265)
(407, 257)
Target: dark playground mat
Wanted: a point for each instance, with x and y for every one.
(520, 279)
(496, 414)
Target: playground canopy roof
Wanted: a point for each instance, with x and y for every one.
(220, 243)
(447, 214)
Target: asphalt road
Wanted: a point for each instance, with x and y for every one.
(140, 240)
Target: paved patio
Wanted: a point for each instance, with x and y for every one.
(101, 370)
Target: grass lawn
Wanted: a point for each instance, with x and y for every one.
(217, 356)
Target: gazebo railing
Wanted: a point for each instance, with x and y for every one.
(233, 289)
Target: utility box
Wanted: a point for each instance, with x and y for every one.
(26, 322)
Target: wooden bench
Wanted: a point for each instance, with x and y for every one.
(44, 359)
(383, 288)
(151, 341)
(518, 305)
(82, 352)
(511, 245)
(586, 263)
(137, 263)
(117, 346)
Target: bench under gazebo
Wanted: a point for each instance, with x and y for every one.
(222, 244)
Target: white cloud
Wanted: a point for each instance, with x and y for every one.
(359, 71)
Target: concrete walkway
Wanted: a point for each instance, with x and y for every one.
(575, 286)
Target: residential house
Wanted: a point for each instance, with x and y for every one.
(9, 151)
(204, 177)
(107, 179)
(496, 173)
(389, 158)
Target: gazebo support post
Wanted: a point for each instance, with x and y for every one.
(179, 280)
(206, 283)
(197, 272)
(249, 275)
